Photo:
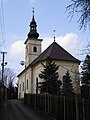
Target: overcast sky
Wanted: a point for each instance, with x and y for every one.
(50, 15)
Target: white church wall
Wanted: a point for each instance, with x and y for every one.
(36, 71)
(73, 69)
(31, 76)
(63, 67)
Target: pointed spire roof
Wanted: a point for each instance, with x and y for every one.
(33, 28)
(55, 52)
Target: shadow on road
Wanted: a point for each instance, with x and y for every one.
(16, 110)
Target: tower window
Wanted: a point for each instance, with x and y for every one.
(34, 49)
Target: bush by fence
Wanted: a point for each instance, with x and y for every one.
(60, 107)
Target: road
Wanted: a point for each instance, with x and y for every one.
(17, 111)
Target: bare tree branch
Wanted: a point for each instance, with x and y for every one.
(9, 76)
(83, 8)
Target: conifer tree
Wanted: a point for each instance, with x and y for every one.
(50, 83)
(85, 77)
(67, 88)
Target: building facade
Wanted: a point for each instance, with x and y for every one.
(27, 79)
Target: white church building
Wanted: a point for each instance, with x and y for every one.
(29, 77)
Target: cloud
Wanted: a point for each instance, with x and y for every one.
(17, 48)
(15, 54)
(69, 41)
(32, 1)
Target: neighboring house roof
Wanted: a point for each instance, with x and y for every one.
(55, 52)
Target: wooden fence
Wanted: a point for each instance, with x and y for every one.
(60, 107)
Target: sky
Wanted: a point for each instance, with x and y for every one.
(15, 17)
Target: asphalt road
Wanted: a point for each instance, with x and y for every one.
(17, 111)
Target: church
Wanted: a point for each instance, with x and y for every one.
(28, 78)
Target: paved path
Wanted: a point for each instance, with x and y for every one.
(15, 110)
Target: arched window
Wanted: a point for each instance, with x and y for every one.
(34, 49)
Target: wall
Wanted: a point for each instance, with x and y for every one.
(63, 67)
(33, 73)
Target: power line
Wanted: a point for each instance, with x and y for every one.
(69, 70)
(2, 24)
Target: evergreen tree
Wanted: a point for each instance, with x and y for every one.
(67, 88)
(50, 83)
(85, 77)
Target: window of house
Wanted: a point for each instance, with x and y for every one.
(27, 84)
(34, 49)
(23, 86)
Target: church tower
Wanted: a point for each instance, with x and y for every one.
(33, 44)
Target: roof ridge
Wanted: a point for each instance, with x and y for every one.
(66, 51)
(52, 47)
(55, 51)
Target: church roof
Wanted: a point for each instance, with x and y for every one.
(55, 52)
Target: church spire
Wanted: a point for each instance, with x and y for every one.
(33, 28)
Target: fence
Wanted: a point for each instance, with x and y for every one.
(60, 107)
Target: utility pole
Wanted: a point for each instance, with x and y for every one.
(3, 64)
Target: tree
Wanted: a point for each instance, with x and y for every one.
(50, 83)
(9, 76)
(67, 88)
(85, 77)
(82, 7)
(0, 91)
(8, 82)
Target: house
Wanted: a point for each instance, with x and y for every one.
(28, 78)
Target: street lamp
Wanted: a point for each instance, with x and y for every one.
(23, 63)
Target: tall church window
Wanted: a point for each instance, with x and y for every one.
(27, 84)
(26, 50)
(20, 87)
(36, 85)
(23, 86)
(34, 49)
